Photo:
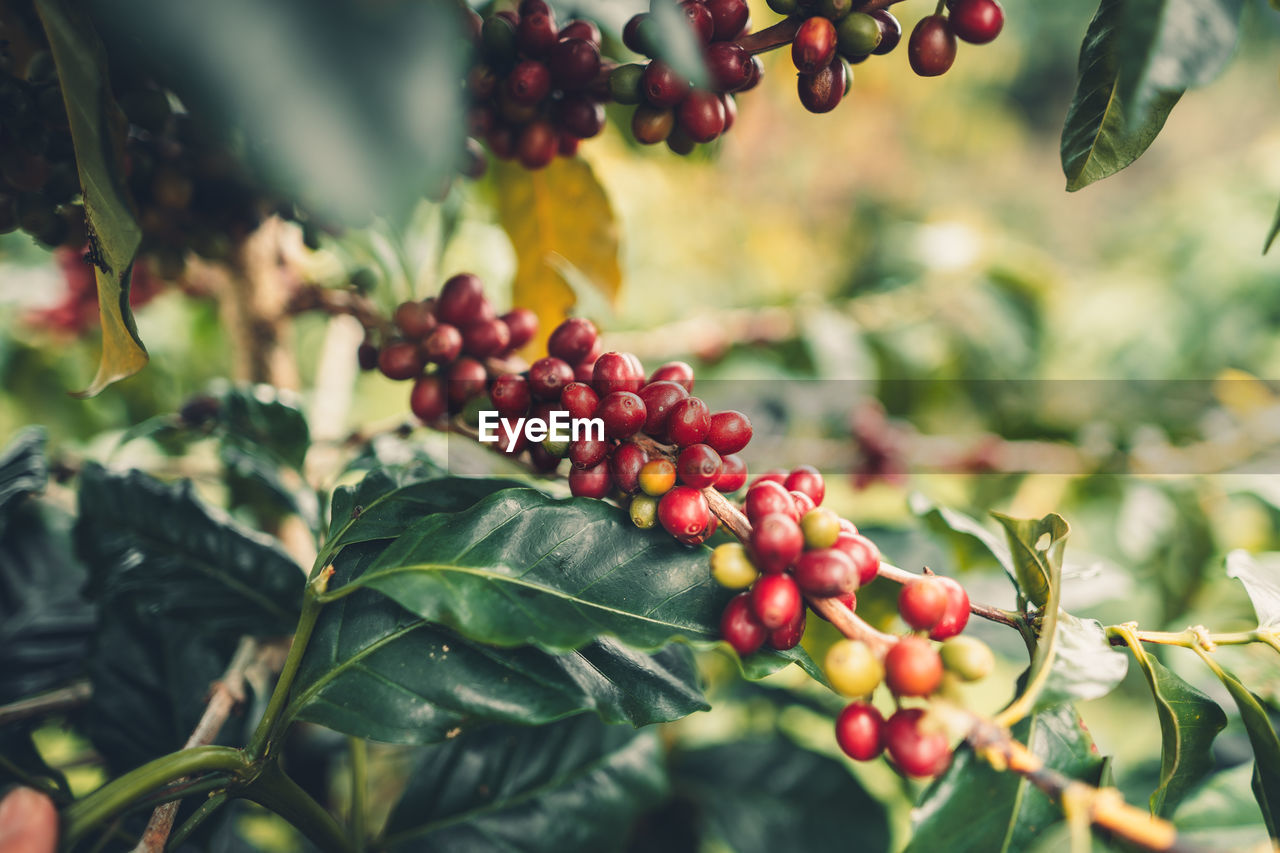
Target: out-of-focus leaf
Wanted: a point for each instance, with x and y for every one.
(973, 807)
(1222, 813)
(555, 215)
(1036, 569)
(22, 764)
(1266, 748)
(265, 420)
(566, 787)
(159, 546)
(755, 796)
(1261, 578)
(1102, 134)
(97, 132)
(1085, 665)
(973, 543)
(23, 469)
(1271, 234)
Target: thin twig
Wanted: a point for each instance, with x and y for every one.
(62, 699)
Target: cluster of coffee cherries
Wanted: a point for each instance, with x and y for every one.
(538, 89)
(830, 37)
(442, 344)
(932, 46)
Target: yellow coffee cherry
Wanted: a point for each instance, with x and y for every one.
(731, 567)
(852, 668)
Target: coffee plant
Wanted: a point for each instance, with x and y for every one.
(559, 599)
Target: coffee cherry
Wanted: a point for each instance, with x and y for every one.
(644, 512)
(414, 319)
(968, 658)
(932, 46)
(701, 115)
(740, 627)
(767, 498)
(776, 542)
(498, 40)
(400, 360)
(674, 371)
(538, 145)
(852, 668)
(773, 475)
(579, 400)
(957, 613)
(659, 398)
(428, 400)
(624, 464)
(640, 34)
(824, 572)
(890, 31)
(624, 84)
(588, 452)
(510, 396)
(590, 482)
(536, 33)
(730, 432)
(683, 511)
(548, 377)
(863, 552)
(821, 528)
(703, 536)
(679, 142)
(442, 345)
(731, 567)
(733, 474)
(848, 599)
(657, 477)
(790, 634)
(847, 526)
(915, 749)
(662, 86)
(614, 371)
(367, 356)
(486, 338)
(529, 82)
(803, 503)
(860, 731)
(728, 66)
(775, 600)
(466, 379)
(623, 413)
(580, 116)
(806, 478)
(922, 603)
(823, 91)
(572, 340)
(573, 63)
(698, 466)
(785, 8)
(730, 18)
(857, 35)
(461, 300)
(581, 29)
(976, 21)
(689, 422)
(913, 667)
(814, 45)
(700, 20)
(522, 325)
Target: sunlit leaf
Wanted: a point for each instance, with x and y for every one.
(1035, 567)
(1266, 748)
(1084, 666)
(1261, 578)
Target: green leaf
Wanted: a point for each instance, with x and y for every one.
(974, 544)
(565, 787)
(764, 795)
(98, 132)
(263, 419)
(973, 807)
(1222, 813)
(1084, 666)
(1103, 134)
(1261, 578)
(1169, 46)
(161, 547)
(1265, 743)
(1271, 234)
(23, 470)
(1189, 721)
(1036, 569)
(22, 764)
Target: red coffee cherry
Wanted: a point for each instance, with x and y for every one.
(662, 86)
(822, 92)
(755, 71)
(683, 511)
(860, 731)
(538, 145)
(789, 635)
(730, 431)
(414, 319)
(733, 474)
(689, 422)
(699, 538)
(636, 34)
(730, 17)
(580, 29)
(922, 603)
(731, 107)
(529, 82)
(590, 482)
(803, 503)
(776, 543)
(806, 478)
(367, 355)
(623, 414)
(510, 395)
(848, 599)
(776, 600)
(863, 552)
(890, 31)
(932, 46)
(916, 752)
(659, 398)
(486, 338)
(579, 400)
(573, 63)
(624, 465)
(461, 300)
(773, 475)
(442, 345)
(976, 21)
(548, 377)
(674, 371)
(739, 625)
(956, 616)
(614, 371)
(767, 498)
(400, 360)
(651, 125)
(814, 46)
(825, 572)
(522, 324)
(579, 116)
(466, 379)
(913, 667)
(588, 452)
(536, 33)
(701, 115)
(428, 400)
(572, 340)
(728, 66)
(699, 466)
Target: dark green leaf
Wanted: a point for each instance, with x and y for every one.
(973, 543)
(1102, 134)
(1222, 813)
(1266, 747)
(22, 764)
(264, 420)
(1084, 666)
(973, 807)
(1261, 578)
(375, 670)
(762, 796)
(565, 787)
(162, 548)
(1035, 547)
(1169, 46)
(23, 469)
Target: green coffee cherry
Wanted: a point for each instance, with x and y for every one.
(644, 512)
(968, 658)
(835, 10)
(783, 7)
(857, 35)
(624, 83)
(731, 567)
(821, 528)
(558, 449)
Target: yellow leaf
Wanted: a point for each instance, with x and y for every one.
(556, 217)
(122, 351)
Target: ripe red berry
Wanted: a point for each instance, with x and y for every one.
(739, 625)
(573, 63)
(522, 325)
(860, 731)
(466, 379)
(956, 616)
(806, 478)
(728, 66)
(614, 371)
(776, 542)
(510, 395)
(976, 21)
(400, 360)
(529, 82)
(367, 355)
(536, 33)
(624, 465)
(428, 400)
(548, 377)
(773, 475)
(913, 667)
(659, 398)
(699, 466)
(683, 511)
(922, 603)
(730, 17)
(641, 34)
(822, 92)
(730, 432)
(825, 572)
(662, 86)
(623, 414)
(572, 340)
(932, 46)
(890, 31)
(814, 45)
(588, 452)
(443, 344)
(414, 319)
(538, 144)
(766, 498)
(918, 752)
(486, 338)
(581, 29)
(863, 552)
(776, 600)
(700, 20)
(590, 482)
(733, 474)
(674, 371)
(789, 635)
(803, 503)
(701, 115)
(579, 400)
(689, 422)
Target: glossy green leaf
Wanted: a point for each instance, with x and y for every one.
(766, 795)
(973, 807)
(1085, 665)
(23, 470)
(973, 543)
(1103, 134)
(98, 132)
(1222, 814)
(164, 549)
(566, 787)
(1261, 578)
(1266, 748)
(1169, 46)
(1036, 568)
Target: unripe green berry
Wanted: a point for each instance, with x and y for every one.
(821, 528)
(783, 7)
(857, 35)
(852, 668)
(558, 449)
(624, 83)
(644, 512)
(968, 658)
(731, 567)
(835, 10)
